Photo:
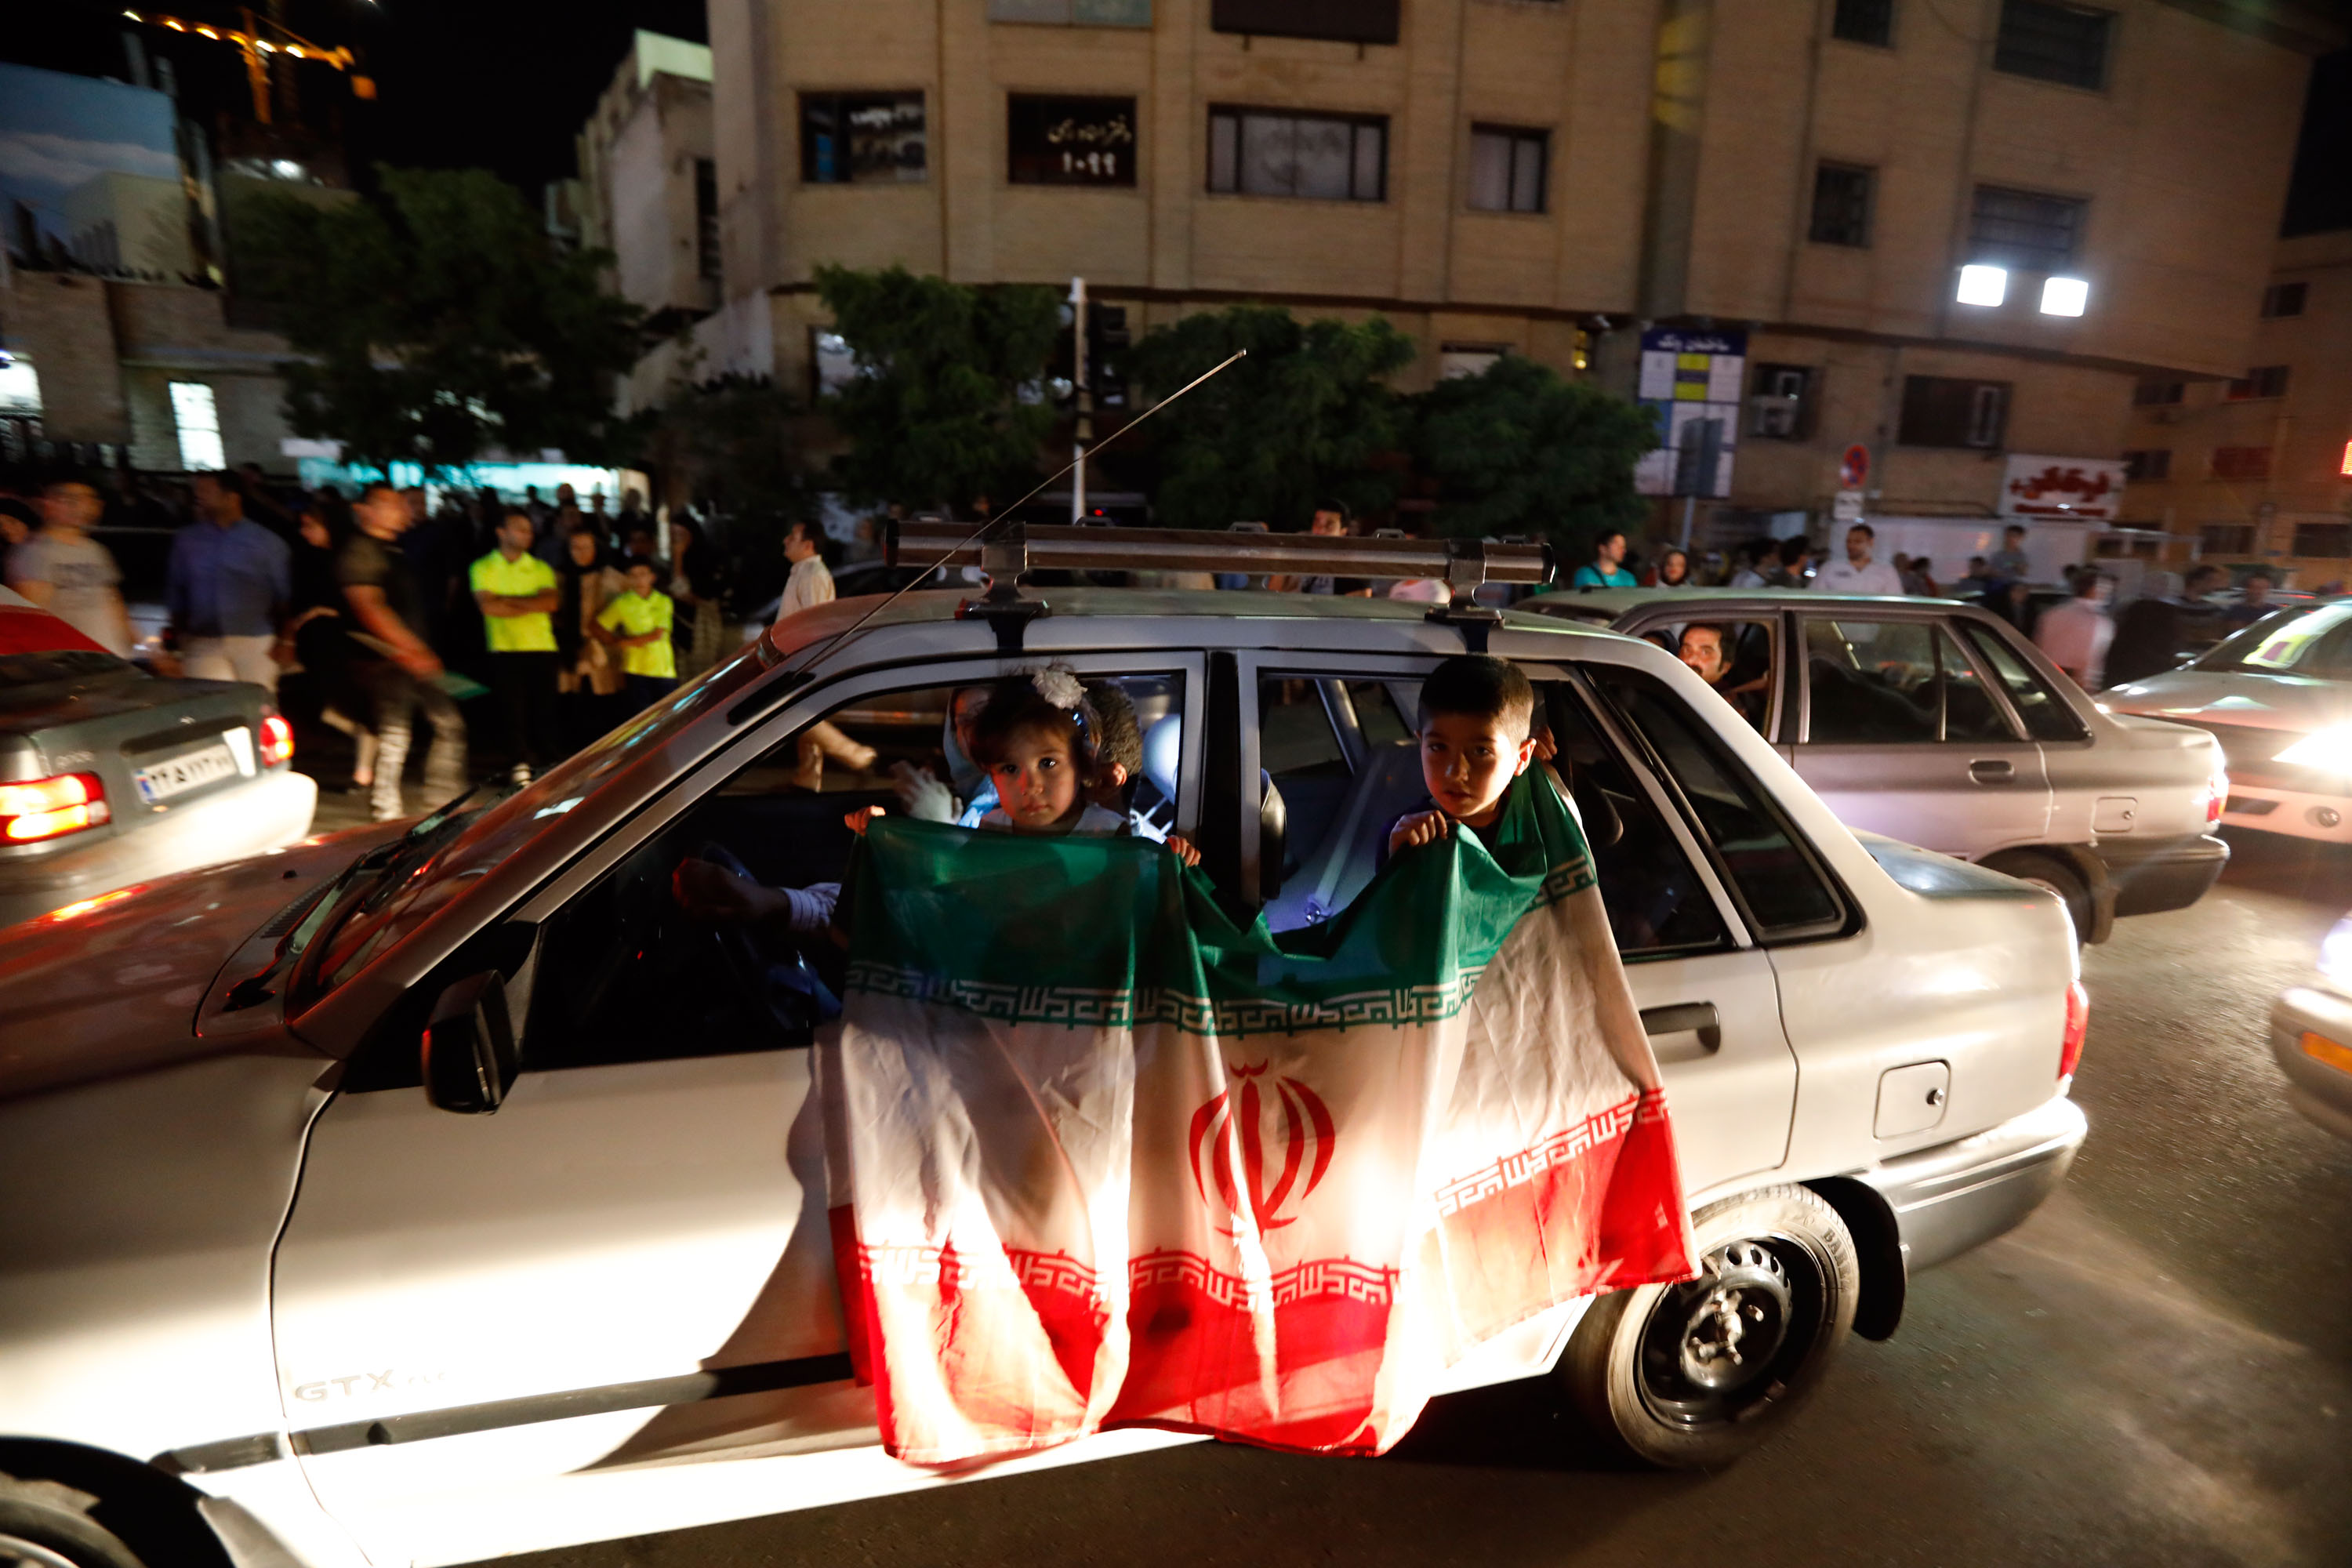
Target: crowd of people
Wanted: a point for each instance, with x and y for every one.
(393, 612)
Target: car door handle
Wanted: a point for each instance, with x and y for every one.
(1686, 1017)
(1992, 771)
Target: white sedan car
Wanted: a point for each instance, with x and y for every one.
(2278, 698)
(268, 1295)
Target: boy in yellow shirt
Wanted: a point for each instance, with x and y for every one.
(637, 623)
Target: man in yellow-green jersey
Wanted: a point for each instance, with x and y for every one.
(517, 593)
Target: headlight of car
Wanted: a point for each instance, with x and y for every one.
(2336, 955)
(2329, 749)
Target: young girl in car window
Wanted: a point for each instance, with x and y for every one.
(1039, 738)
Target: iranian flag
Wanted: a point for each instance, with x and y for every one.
(1100, 1156)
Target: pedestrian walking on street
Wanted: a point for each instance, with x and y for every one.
(517, 593)
(69, 573)
(698, 580)
(589, 682)
(1858, 573)
(2009, 563)
(811, 583)
(320, 633)
(1794, 564)
(638, 621)
(227, 589)
(2076, 633)
(1608, 567)
(404, 677)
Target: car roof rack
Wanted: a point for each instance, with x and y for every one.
(1006, 551)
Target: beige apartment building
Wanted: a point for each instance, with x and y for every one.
(2256, 470)
(1551, 177)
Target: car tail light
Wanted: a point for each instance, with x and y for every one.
(2217, 795)
(51, 808)
(2078, 1022)
(277, 741)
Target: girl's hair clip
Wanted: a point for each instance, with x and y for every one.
(1059, 687)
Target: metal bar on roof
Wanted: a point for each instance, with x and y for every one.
(1059, 547)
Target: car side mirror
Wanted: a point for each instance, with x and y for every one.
(468, 1046)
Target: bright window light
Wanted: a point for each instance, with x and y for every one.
(2064, 296)
(1981, 285)
(198, 418)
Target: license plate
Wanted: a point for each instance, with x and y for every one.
(161, 781)
(2320, 1049)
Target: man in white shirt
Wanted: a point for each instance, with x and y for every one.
(1858, 573)
(811, 583)
(2076, 633)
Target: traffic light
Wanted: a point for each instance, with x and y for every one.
(1107, 345)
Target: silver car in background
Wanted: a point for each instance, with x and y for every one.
(2278, 696)
(1941, 724)
(2311, 1035)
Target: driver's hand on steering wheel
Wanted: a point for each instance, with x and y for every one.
(710, 893)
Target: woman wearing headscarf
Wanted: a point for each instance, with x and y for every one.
(588, 677)
(1673, 568)
(697, 583)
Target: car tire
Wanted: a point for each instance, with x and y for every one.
(1659, 1373)
(46, 1525)
(2051, 874)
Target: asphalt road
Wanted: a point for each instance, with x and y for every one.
(2155, 1370)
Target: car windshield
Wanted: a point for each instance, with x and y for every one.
(445, 853)
(2314, 641)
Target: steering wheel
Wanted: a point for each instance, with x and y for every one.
(772, 980)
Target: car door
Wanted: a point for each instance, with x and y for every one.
(1706, 992)
(501, 1333)
(1899, 732)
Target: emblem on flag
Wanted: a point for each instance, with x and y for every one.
(1232, 1132)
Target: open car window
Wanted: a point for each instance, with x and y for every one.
(624, 973)
(1337, 812)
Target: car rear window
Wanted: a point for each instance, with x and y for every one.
(2313, 642)
(63, 664)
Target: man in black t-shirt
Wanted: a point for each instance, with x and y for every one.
(404, 674)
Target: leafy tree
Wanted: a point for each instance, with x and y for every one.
(438, 322)
(1520, 450)
(1302, 417)
(937, 411)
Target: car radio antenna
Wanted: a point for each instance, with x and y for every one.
(986, 523)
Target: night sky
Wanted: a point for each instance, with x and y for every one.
(505, 83)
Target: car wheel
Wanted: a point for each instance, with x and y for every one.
(2053, 875)
(1691, 1377)
(46, 1525)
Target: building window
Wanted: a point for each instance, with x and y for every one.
(1328, 157)
(2263, 381)
(1781, 408)
(2157, 393)
(1943, 411)
(1841, 194)
(2151, 464)
(2226, 538)
(2333, 539)
(1074, 13)
(2025, 230)
(1506, 169)
(706, 217)
(1059, 140)
(2284, 299)
(197, 419)
(2241, 462)
(1341, 21)
(1864, 22)
(2064, 44)
(1457, 359)
(862, 138)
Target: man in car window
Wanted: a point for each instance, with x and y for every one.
(1706, 648)
(1858, 573)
